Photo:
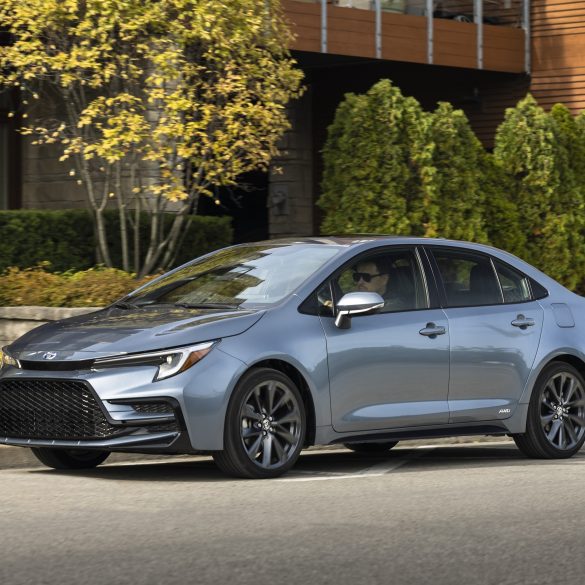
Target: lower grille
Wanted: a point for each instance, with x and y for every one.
(52, 409)
(153, 407)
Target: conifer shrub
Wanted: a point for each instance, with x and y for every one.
(390, 167)
(542, 155)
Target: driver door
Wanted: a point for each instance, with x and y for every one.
(387, 370)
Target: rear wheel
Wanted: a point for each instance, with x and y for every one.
(371, 447)
(555, 427)
(265, 426)
(70, 458)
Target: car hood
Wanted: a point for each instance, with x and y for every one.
(116, 331)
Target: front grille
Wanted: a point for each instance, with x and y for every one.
(61, 366)
(51, 409)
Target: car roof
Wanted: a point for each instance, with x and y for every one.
(353, 240)
(365, 241)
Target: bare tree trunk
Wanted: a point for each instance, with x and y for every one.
(137, 212)
(160, 250)
(177, 230)
(153, 244)
(102, 242)
(101, 225)
(103, 253)
(122, 216)
(179, 244)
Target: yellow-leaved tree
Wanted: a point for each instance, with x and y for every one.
(160, 101)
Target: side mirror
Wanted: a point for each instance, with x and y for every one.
(356, 303)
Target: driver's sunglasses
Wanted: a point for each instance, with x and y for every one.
(365, 276)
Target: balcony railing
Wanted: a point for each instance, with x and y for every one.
(481, 13)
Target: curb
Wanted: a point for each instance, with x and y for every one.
(20, 457)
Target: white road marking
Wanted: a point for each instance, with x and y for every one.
(445, 445)
(373, 471)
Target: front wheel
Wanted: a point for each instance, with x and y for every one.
(265, 426)
(555, 426)
(69, 458)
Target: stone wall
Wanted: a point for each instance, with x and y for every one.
(290, 197)
(48, 183)
(16, 321)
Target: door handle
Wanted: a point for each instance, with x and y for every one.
(432, 330)
(522, 322)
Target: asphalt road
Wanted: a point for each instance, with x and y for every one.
(478, 514)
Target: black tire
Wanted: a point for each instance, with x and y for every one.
(551, 400)
(371, 447)
(255, 447)
(69, 458)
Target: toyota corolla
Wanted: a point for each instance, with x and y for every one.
(256, 351)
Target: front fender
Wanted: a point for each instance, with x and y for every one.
(302, 346)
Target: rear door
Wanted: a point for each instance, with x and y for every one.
(495, 328)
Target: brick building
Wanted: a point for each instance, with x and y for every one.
(480, 55)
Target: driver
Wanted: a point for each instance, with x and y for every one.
(374, 276)
(370, 276)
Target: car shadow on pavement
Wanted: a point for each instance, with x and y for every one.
(321, 464)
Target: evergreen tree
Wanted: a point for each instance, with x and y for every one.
(392, 168)
(501, 216)
(452, 177)
(532, 148)
(371, 181)
(570, 137)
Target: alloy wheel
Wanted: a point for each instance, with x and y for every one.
(562, 411)
(270, 424)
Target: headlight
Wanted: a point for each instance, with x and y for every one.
(169, 362)
(7, 360)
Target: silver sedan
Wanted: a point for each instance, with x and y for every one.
(255, 351)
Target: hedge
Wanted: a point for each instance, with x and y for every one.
(64, 238)
(96, 287)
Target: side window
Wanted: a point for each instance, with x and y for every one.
(538, 291)
(394, 275)
(325, 301)
(515, 286)
(469, 279)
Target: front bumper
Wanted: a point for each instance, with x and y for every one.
(198, 398)
(154, 442)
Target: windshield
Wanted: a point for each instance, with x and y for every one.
(240, 276)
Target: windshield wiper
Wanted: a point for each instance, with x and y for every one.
(206, 306)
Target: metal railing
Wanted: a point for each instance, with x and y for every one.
(514, 13)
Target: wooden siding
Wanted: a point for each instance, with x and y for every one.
(351, 32)
(305, 21)
(495, 97)
(558, 48)
(503, 49)
(404, 38)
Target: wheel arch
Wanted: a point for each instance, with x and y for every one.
(573, 360)
(516, 424)
(299, 379)
(532, 439)
(566, 356)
